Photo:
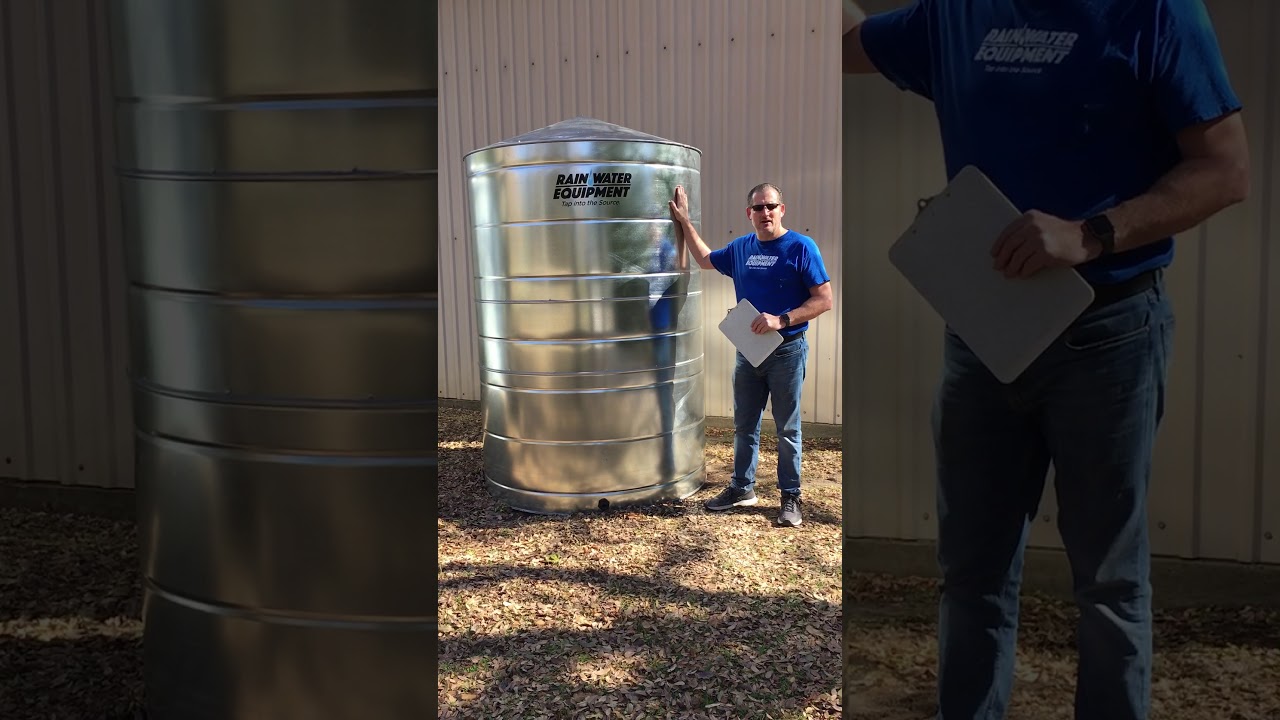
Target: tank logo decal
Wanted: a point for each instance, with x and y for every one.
(584, 188)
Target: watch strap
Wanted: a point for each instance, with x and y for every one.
(1099, 228)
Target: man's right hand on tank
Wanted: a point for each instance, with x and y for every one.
(679, 206)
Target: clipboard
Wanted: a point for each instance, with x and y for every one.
(737, 327)
(946, 256)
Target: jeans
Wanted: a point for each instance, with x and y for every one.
(780, 376)
(1090, 405)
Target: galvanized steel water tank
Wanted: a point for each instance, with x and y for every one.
(278, 181)
(589, 316)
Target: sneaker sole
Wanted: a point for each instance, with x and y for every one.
(797, 523)
(740, 503)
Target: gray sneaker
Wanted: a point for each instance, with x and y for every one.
(790, 514)
(732, 497)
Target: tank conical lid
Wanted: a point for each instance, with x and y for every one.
(582, 129)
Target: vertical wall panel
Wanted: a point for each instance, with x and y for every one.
(1231, 296)
(1216, 485)
(36, 168)
(751, 84)
(14, 430)
(113, 308)
(1175, 470)
(1268, 144)
(61, 319)
(457, 350)
(880, 164)
(82, 248)
(1215, 490)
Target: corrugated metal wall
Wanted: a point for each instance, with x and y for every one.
(64, 395)
(699, 73)
(1216, 489)
(751, 83)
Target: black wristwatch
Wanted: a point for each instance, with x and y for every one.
(1099, 228)
(786, 320)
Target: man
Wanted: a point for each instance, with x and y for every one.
(781, 273)
(1113, 126)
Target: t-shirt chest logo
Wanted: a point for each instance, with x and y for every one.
(1024, 50)
(762, 261)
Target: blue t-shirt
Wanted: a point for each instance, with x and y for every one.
(774, 275)
(1069, 107)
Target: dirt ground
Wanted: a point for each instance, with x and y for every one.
(70, 609)
(1210, 664)
(667, 612)
(676, 613)
(664, 612)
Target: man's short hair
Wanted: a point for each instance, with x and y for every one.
(761, 188)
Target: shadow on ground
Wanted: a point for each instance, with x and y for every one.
(92, 677)
(1210, 661)
(650, 646)
(657, 611)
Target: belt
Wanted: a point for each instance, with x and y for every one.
(1107, 294)
(788, 338)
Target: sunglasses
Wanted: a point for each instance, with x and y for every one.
(763, 207)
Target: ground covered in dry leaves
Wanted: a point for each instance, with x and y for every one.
(667, 612)
(671, 612)
(1211, 663)
(70, 608)
(664, 612)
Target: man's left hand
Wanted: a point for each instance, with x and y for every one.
(1037, 241)
(765, 322)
